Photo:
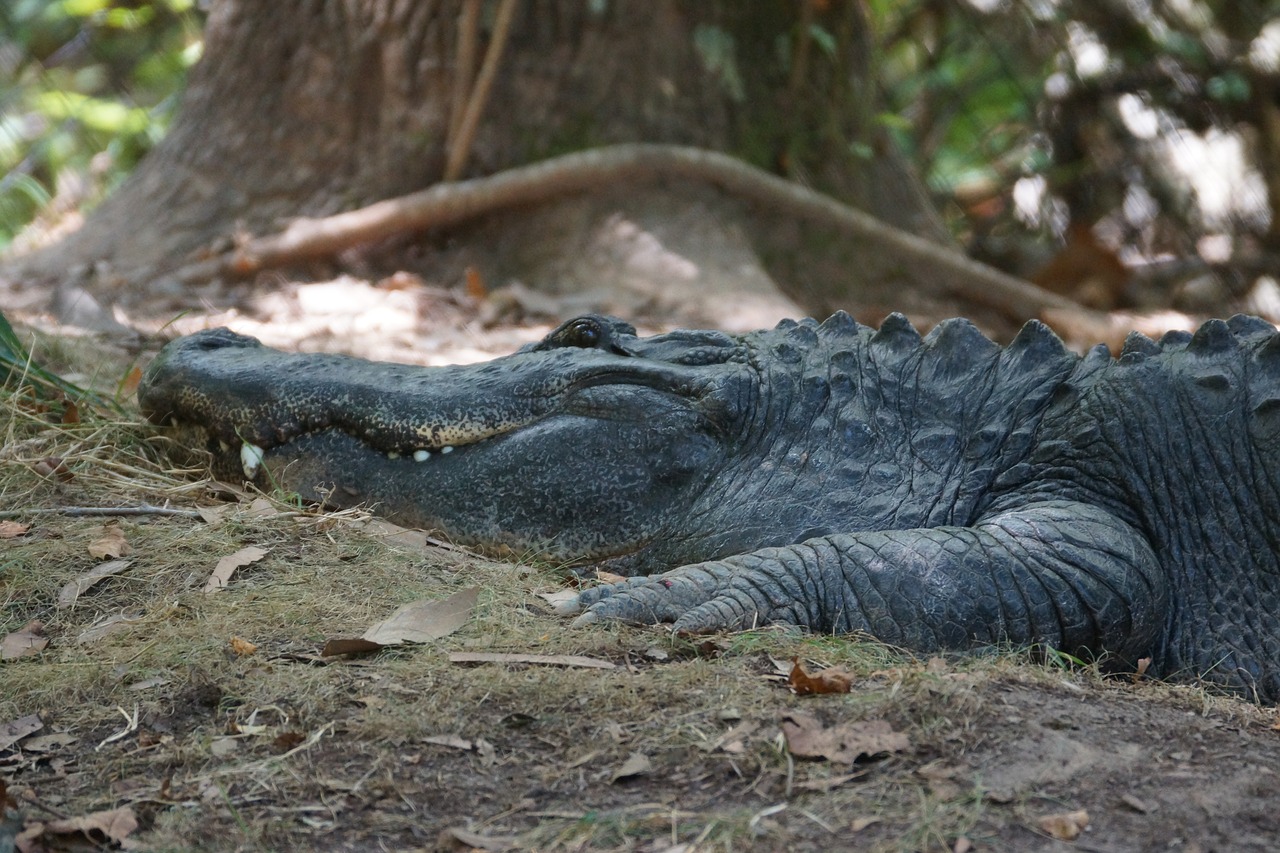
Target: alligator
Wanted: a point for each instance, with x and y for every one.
(936, 493)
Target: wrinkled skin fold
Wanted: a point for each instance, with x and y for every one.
(937, 493)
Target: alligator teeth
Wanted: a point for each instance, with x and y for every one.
(421, 455)
(448, 448)
(251, 458)
(393, 455)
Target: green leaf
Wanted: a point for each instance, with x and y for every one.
(17, 368)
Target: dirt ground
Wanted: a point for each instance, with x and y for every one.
(149, 713)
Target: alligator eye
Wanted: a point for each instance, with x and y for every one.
(582, 333)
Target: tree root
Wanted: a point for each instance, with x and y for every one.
(452, 203)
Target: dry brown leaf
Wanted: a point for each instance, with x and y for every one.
(415, 622)
(734, 740)
(833, 679)
(548, 660)
(1065, 826)
(73, 590)
(349, 646)
(560, 596)
(53, 467)
(114, 826)
(110, 544)
(70, 413)
(96, 632)
(27, 640)
(860, 823)
(608, 577)
(15, 730)
(395, 534)
(457, 838)
(13, 529)
(475, 285)
(423, 621)
(227, 567)
(263, 508)
(129, 384)
(808, 737)
(637, 764)
(1143, 665)
(214, 515)
(241, 647)
(451, 741)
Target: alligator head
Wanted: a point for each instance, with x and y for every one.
(591, 444)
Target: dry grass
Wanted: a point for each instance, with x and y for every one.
(281, 749)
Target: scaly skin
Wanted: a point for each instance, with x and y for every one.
(942, 493)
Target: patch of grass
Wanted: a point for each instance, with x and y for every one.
(281, 749)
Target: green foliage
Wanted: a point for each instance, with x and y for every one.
(19, 369)
(92, 88)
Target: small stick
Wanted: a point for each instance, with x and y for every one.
(464, 67)
(112, 511)
(460, 146)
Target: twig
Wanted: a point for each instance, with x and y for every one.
(464, 66)
(450, 203)
(460, 146)
(113, 511)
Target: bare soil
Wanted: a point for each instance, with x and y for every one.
(214, 719)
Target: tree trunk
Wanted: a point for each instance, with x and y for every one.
(309, 107)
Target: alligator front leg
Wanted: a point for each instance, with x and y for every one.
(1065, 574)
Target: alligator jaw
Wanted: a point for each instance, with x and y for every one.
(574, 453)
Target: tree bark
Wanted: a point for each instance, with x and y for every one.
(311, 107)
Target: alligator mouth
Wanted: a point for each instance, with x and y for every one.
(252, 453)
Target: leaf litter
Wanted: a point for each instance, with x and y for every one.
(657, 710)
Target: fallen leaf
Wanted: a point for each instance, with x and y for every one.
(609, 577)
(94, 633)
(27, 640)
(1138, 805)
(15, 730)
(561, 596)
(1065, 826)
(221, 747)
(129, 384)
(112, 826)
(637, 764)
(13, 529)
(241, 647)
(286, 741)
(423, 621)
(70, 413)
(548, 660)
(393, 533)
(350, 646)
(54, 467)
(227, 567)
(73, 590)
(808, 737)
(860, 823)
(415, 622)
(48, 743)
(451, 741)
(1143, 665)
(110, 544)
(214, 515)
(830, 783)
(456, 838)
(833, 679)
(475, 285)
(734, 740)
